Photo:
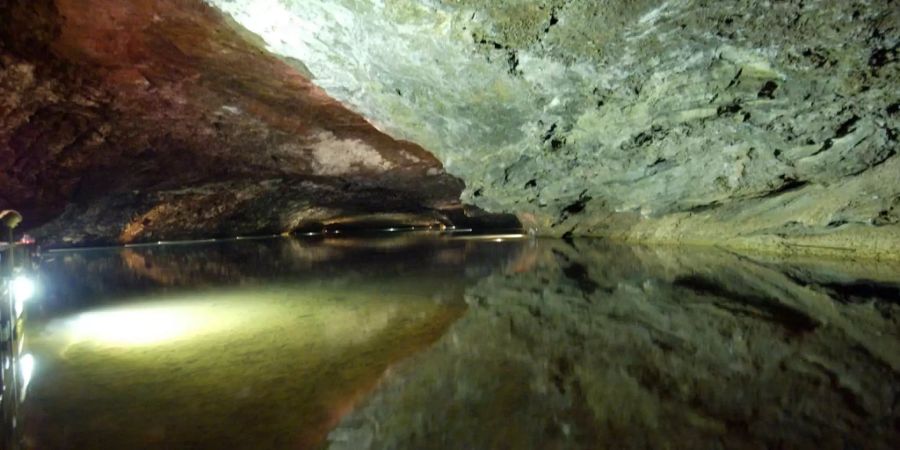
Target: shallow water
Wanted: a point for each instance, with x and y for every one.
(423, 341)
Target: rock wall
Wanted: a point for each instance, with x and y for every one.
(145, 120)
(766, 125)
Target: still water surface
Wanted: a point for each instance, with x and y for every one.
(421, 341)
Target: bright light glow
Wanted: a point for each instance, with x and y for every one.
(171, 321)
(26, 366)
(22, 288)
(143, 326)
(493, 237)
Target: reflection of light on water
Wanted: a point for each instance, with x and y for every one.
(142, 325)
(177, 321)
(23, 289)
(26, 366)
(492, 237)
(20, 307)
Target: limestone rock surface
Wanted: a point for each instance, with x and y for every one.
(752, 124)
(145, 120)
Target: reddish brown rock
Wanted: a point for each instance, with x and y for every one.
(159, 119)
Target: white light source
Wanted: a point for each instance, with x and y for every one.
(22, 288)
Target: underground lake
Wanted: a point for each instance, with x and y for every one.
(449, 224)
(428, 340)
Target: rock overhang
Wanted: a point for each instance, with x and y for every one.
(150, 120)
(678, 120)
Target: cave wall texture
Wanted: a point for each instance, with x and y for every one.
(746, 123)
(146, 120)
(765, 125)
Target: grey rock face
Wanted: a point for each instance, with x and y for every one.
(159, 119)
(753, 124)
(597, 346)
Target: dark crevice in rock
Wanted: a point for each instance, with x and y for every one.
(557, 144)
(735, 80)
(882, 56)
(645, 138)
(552, 138)
(768, 90)
(825, 146)
(553, 20)
(549, 134)
(885, 217)
(893, 109)
(494, 44)
(891, 134)
(819, 59)
(788, 185)
(885, 297)
(769, 308)
(660, 165)
(578, 205)
(642, 139)
(513, 61)
(846, 128)
(728, 110)
(578, 273)
(881, 159)
(864, 291)
(704, 207)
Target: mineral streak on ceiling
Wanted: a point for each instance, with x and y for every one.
(752, 124)
(162, 119)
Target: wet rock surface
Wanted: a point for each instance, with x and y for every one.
(149, 120)
(753, 125)
(591, 345)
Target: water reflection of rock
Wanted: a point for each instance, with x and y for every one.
(283, 336)
(596, 346)
(92, 276)
(256, 369)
